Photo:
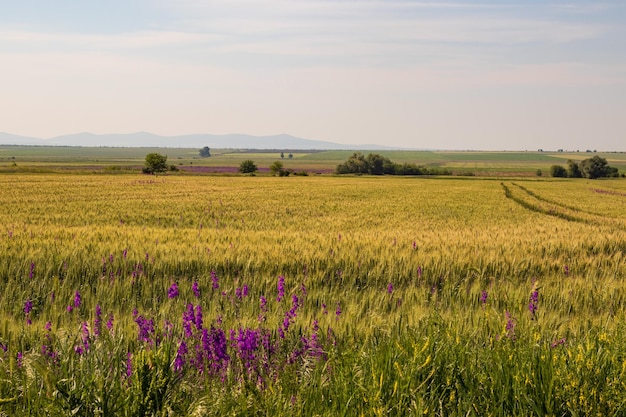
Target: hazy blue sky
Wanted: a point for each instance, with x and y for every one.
(461, 74)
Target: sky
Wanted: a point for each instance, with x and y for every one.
(459, 74)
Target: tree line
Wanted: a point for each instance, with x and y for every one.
(375, 164)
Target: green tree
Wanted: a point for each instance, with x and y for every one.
(248, 167)
(277, 168)
(155, 162)
(573, 170)
(596, 167)
(205, 152)
(558, 171)
(355, 164)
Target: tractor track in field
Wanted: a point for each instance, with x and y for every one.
(539, 204)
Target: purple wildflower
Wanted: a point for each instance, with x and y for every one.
(172, 292)
(557, 343)
(125, 253)
(32, 270)
(419, 272)
(281, 288)
(483, 297)
(338, 311)
(69, 308)
(110, 322)
(245, 290)
(28, 306)
(263, 303)
(566, 269)
(129, 365)
(48, 326)
(214, 280)
(179, 362)
(414, 245)
(145, 329)
(198, 318)
(97, 323)
(77, 299)
(534, 300)
(20, 359)
(510, 326)
(389, 288)
(189, 319)
(196, 289)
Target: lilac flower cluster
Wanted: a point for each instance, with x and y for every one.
(172, 292)
(28, 307)
(145, 328)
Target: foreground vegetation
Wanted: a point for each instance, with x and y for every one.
(194, 295)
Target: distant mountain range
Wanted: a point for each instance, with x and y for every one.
(150, 140)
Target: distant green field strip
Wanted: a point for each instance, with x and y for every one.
(499, 156)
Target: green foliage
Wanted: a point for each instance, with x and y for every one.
(375, 164)
(248, 167)
(558, 171)
(573, 169)
(205, 152)
(155, 162)
(277, 168)
(597, 167)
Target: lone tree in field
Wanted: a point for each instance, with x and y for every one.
(247, 167)
(155, 162)
(205, 152)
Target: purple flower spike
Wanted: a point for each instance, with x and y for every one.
(28, 306)
(281, 288)
(172, 292)
(534, 301)
(483, 297)
(97, 323)
(110, 322)
(338, 311)
(196, 289)
(20, 359)
(214, 280)
(389, 288)
(129, 365)
(77, 299)
(179, 362)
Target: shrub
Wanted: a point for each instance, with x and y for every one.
(558, 171)
(248, 167)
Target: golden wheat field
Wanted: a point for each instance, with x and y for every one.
(365, 258)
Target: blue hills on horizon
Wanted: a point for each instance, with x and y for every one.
(150, 140)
